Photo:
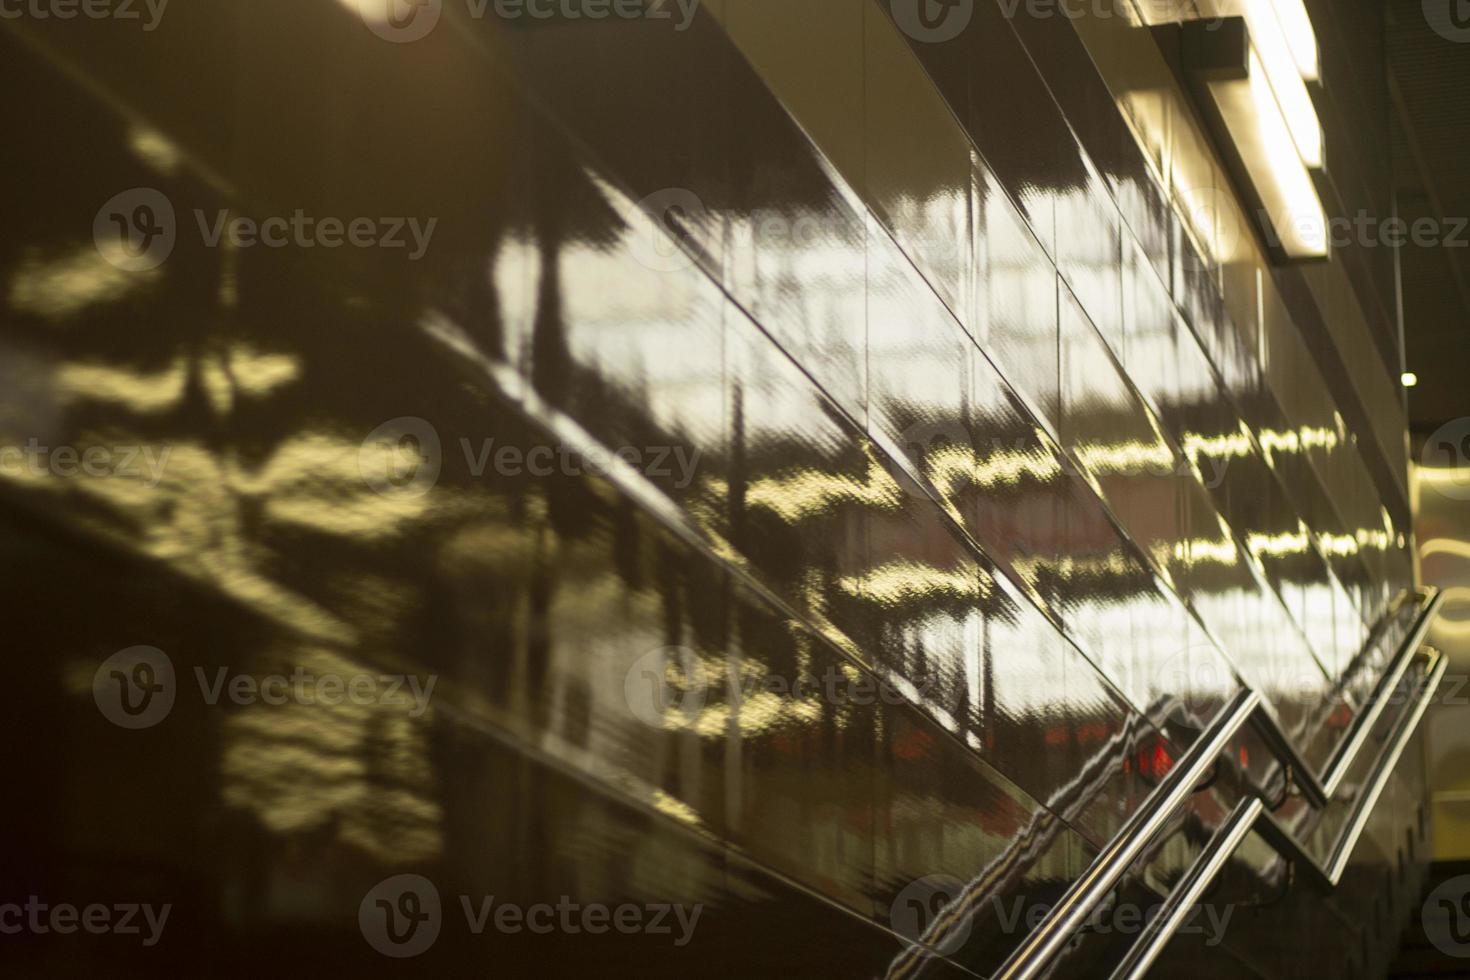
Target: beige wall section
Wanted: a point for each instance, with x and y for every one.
(1165, 125)
(1442, 526)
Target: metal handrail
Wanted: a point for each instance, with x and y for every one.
(1182, 898)
(1251, 812)
(1320, 789)
(1383, 768)
(1033, 956)
(1337, 769)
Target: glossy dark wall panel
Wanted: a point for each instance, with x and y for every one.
(878, 529)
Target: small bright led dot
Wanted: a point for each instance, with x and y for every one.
(1409, 378)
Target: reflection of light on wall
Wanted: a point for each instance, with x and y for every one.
(1133, 456)
(1445, 546)
(1439, 476)
(154, 149)
(678, 809)
(1221, 551)
(1456, 597)
(361, 770)
(1088, 569)
(809, 493)
(1338, 545)
(951, 466)
(1235, 445)
(1278, 545)
(137, 391)
(241, 370)
(907, 581)
(66, 286)
(1456, 600)
(1370, 539)
(1302, 440)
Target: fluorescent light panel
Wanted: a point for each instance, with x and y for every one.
(1286, 79)
(1302, 39)
(1258, 129)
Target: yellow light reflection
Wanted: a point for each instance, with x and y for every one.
(1278, 545)
(1302, 440)
(809, 493)
(62, 288)
(951, 466)
(904, 581)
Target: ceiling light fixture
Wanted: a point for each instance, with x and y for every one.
(1248, 72)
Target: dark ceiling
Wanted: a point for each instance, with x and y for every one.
(1428, 53)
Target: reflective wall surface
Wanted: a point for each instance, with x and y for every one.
(740, 488)
(1442, 513)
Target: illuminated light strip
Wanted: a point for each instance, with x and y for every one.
(1258, 129)
(1296, 27)
(1230, 65)
(1299, 213)
(1281, 71)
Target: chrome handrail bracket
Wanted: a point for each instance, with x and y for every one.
(1032, 957)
